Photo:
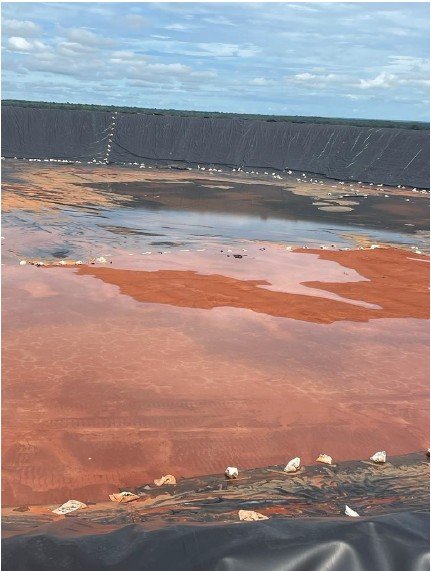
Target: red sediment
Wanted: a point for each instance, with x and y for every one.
(101, 391)
(397, 283)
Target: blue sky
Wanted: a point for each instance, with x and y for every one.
(366, 60)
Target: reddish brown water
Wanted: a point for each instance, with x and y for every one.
(109, 382)
(190, 361)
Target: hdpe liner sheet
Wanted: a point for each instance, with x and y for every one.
(57, 133)
(380, 155)
(389, 156)
(393, 542)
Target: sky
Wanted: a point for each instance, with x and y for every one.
(362, 60)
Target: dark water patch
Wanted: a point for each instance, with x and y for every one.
(128, 231)
(273, 201)
(60, 254)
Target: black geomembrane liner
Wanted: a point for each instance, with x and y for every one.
(389, 156)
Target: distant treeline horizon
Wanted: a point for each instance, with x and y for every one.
(377, 123)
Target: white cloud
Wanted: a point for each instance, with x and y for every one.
(218, 21)
(163, 47)
(73, 49)
(126, 57)
(142, 68)
(302, 7)
(313, 80)
(87, 37)
(177, 27)
(228, 50)
(305, 76)
(21, 28)
(356, 97)
(18, 44)
(174, 68)
(261, 81)
(98, 10)
(384, 80)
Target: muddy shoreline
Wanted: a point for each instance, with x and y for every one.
(401, 484)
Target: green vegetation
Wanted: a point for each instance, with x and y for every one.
(271, 118)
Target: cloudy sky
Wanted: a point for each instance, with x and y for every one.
(330, 59)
